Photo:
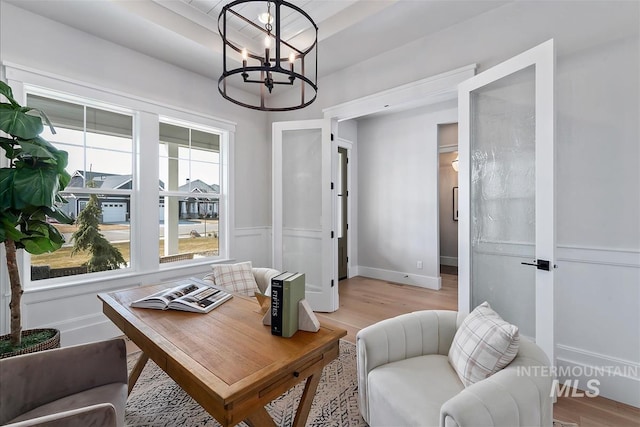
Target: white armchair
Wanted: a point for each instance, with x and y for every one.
(405, 379)
(263, 278)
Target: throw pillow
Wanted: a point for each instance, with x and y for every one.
(235, 277)
(483, 345)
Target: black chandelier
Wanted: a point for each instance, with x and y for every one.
(270, 55)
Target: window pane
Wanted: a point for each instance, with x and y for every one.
(189, 159)
(174, 134)
(114, 233)
(100, 148)
(72, 116)
(101, 145)
(62, 114)
(188, 228)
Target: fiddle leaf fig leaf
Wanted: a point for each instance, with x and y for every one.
(58, 215)
(5, 90)
(35, 149)
(17, 122)
(34, 187)
(6, 188)
(9, 147)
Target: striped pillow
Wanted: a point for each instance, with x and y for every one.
(237, 278)
(483, 345)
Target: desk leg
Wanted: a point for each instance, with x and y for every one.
(137, 370)
(307, 399)
(260, 418)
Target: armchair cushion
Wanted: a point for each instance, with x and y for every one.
(65, 384)
(431, 373)
(235, 277)
(74, 403)
(483, 345)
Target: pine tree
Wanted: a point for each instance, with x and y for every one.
(104, 256)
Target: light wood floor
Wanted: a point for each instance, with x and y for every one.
(365, 301)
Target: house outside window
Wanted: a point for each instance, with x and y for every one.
(190, 176)
(99, 141)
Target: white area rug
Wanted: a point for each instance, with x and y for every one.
(157, 400)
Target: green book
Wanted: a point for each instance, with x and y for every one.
(293, 293)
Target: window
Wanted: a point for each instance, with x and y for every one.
(100, 146)
(190, 176)
(115, 145)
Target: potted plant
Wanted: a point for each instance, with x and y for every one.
(29, 195)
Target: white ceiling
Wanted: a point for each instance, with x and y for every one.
(185, 32)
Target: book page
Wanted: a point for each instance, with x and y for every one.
(189, 295)
(202, 299)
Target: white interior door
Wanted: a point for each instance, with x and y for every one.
(506, 194)
(303, 214)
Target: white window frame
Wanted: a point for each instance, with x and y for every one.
(146, 118)
(223, 215)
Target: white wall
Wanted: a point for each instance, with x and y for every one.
(58, 50)
(598, 152)
(398, 195)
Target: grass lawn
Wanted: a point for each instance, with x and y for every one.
(62, 257)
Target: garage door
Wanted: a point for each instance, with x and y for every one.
(114, 212)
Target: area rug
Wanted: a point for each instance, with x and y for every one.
(158, 401)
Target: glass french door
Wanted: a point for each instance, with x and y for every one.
(507, 213)
(303, 240)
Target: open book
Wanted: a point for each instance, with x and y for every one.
(187, 295)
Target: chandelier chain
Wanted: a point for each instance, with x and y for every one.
(268, 25)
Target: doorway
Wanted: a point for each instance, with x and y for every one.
(342, 205)
(447, 197)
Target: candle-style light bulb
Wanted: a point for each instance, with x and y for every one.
(245, 55)
(292, 59)
(267, 45)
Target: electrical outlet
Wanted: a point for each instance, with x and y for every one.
(419, 265)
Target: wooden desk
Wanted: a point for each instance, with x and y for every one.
(227, 360)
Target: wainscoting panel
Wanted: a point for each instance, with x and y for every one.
(76, 311)
(597, 317)
(253, 244)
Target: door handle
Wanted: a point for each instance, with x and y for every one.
(541, 264)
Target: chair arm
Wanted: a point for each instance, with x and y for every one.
(263, 277)
(408, 335)
(102, 414)
(518, 395)
(31, 380)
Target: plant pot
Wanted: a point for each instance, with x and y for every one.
(51, 343)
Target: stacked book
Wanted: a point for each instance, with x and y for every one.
(287, 290)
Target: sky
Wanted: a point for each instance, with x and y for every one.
(113, 154)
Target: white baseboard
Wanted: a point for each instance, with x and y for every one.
(449, 260)
(400, 277)
(354, 271)
(618, 379)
